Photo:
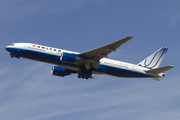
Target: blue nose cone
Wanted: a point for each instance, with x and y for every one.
(7, 48)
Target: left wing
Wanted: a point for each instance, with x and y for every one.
(105, 50)
(96, 54)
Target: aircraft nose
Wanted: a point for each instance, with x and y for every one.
(7, 48)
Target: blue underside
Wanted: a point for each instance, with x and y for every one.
(55, 59)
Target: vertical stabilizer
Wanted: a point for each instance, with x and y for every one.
(154, 60)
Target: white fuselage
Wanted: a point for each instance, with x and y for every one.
(52, 55)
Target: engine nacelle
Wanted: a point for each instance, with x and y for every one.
(59, 71)
(69, 57)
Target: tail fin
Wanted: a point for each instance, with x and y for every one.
(154, 60)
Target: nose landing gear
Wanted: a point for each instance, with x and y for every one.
(14, 55)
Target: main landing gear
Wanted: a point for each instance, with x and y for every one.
(80, 76)
(84, 73)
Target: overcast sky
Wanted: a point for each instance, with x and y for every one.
(28, 91)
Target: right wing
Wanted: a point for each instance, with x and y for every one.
(96, 54)
(103, 51)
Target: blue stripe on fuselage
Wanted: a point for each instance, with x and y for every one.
(41, 56)
(120, 72)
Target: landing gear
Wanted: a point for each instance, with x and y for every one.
(80, 76)
(84, 73)
(14, 55)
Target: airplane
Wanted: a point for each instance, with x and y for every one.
(91, 62)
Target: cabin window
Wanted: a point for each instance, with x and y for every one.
(59, 50)
(54, 49)
(43, 47)
(50, 48)
(38, 46)
(47, 48)
(12, 45)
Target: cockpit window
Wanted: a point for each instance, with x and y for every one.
(12, 45)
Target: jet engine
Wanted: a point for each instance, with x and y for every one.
(69, 57)
(59, 71)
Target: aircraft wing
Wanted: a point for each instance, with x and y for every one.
(103, 51)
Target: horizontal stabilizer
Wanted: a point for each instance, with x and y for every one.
(159, 70)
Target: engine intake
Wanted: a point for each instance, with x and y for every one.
(59, 71)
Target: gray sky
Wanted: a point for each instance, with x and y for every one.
(29, 92)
